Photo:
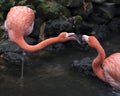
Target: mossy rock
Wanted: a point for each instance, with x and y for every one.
(78, 19)
(71, 3)
(52, 10)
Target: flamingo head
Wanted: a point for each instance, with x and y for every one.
(64, 36)
(91, 40)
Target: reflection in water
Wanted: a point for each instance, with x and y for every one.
(22, 73)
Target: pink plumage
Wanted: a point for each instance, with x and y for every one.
(111, 67)
(107, 69)
(19, 23)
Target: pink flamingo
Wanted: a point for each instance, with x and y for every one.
(107, 69)
(19, 23)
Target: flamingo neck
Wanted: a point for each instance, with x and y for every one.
(97, 67)
(32, 48)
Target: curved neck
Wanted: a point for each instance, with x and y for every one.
(97, 67)
(32, 48)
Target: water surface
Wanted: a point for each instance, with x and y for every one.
(51, 75)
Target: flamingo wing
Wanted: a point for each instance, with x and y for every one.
(20, 18)
(111, 67)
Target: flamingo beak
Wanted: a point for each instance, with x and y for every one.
(78, 38)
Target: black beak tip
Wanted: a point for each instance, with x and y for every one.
(78, 39)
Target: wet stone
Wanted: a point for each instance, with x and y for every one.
(101, 31)
(71, 3)
(55, 47)
(13, 58)
(114, 25)
(52, 10)
(83, 66)
(55, 27)
(12, 52)
(98, 1)
(8, 46)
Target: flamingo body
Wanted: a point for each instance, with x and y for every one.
(111, 67)
(107, 69)
(19, 23)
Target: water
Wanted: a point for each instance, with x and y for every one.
(51, 75)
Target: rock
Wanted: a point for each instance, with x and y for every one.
(108, 9)
(70, 3)
(102, 13)
(55, 27)
(101, 18)
(83, 66)
(97, 16)
(36, 29)
(8, 46)
(80, 10)
(80, 26)
(100, 32)
(52, 10)
(55, 47)
(11, 52)
(114, 25)
(13, 58)
(98, 1)
(3, 66)
(117, 13)
(114, 1)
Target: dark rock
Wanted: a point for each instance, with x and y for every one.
(11, 51)
(101, 32)
(83, 28)
(81, 11)
(55, 47)
(13, 58)
(52, 10)
(70, 3)
(8, 46)
(117, 8)
(114, 1)
(101, 18)
(108, 9)
(36, 29)
(83, 66)
(55, 27)
(31, 41)
(114, 25)
(1, 77)
(97, 17)
(98, 1)
(74, 44)
(3, 66)
(102, 13)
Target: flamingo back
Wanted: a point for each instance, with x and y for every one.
(19, 21)
(111, 66)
